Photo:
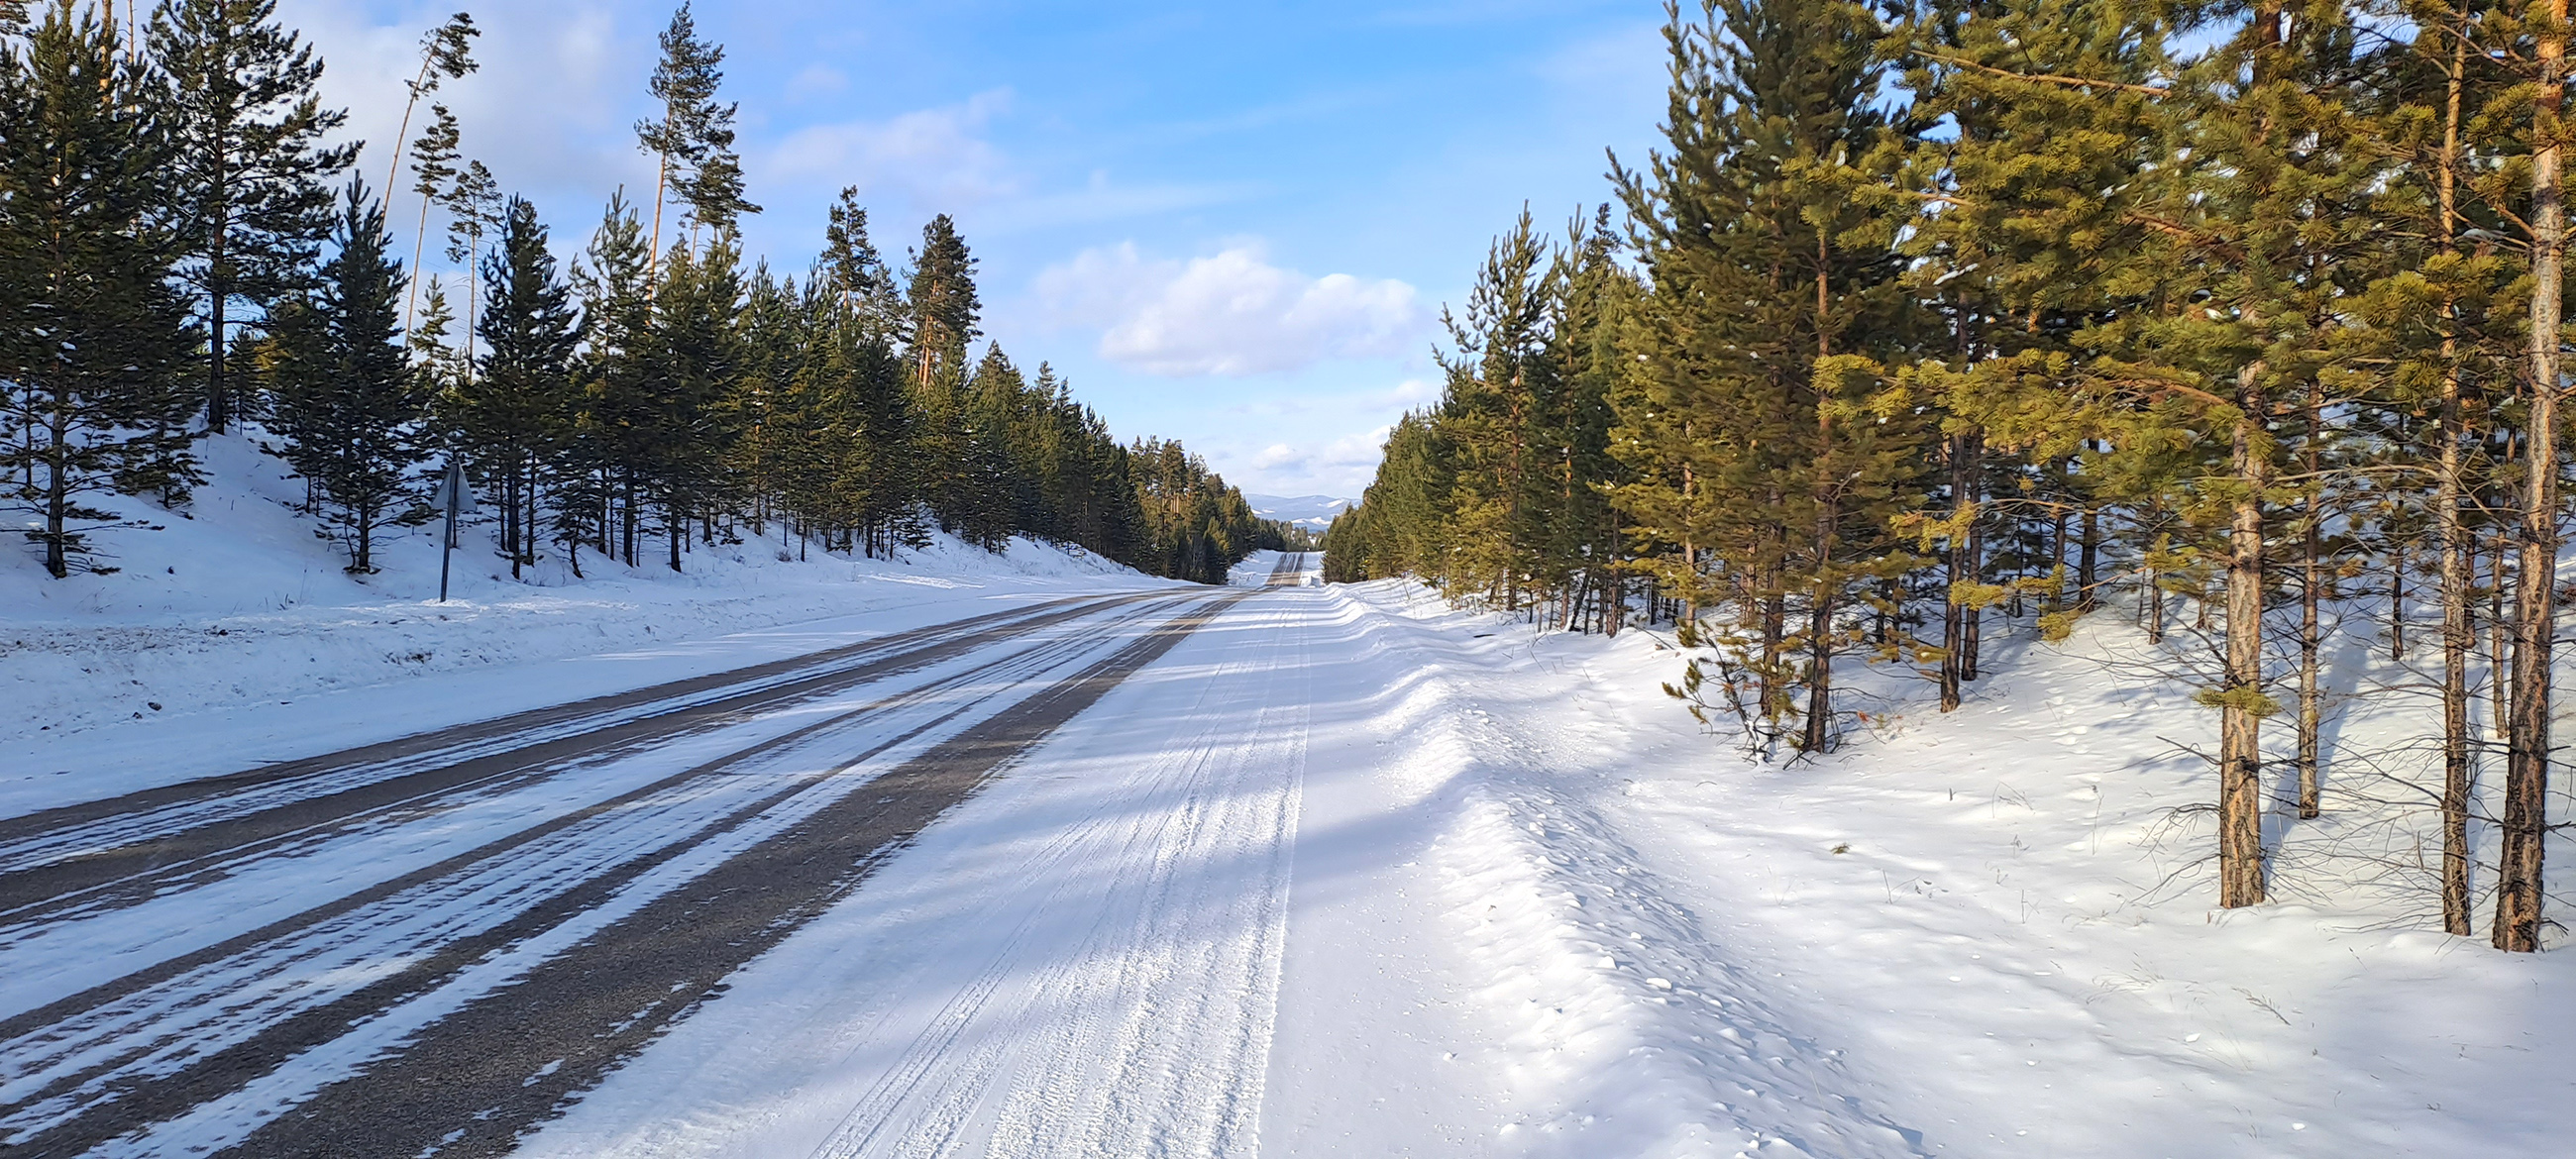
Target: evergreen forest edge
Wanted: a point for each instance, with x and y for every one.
(1930, 319)
(184, 249)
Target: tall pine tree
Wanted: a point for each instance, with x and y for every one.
(92, 337)
(250, 170)
(347, 402)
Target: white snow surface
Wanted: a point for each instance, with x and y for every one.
(1352, 874)
(1345, 873)
(221, 629)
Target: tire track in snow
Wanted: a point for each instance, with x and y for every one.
(468, 1083)
(135, 845)
(1143, 1024)
(275, 993)
(154, 941)
(1193, 1039)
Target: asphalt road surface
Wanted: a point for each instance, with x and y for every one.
(427, 946)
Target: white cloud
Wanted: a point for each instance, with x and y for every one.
(936, 156)
(1408, 393)
(569, 60)
(1320, 464)
(1232, 313)
(816, 80)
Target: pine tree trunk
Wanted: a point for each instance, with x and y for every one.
(1961, 570)
(2151, 592)
(1820, 677)
(1775, 628)
(2525, 829)
(2396, 599)
(1972, 631)
(510, 529)
(2311, 578)
(529, 520)
(653, 256)
(419, 244)
(2088, 559)
(2459, 635)
(2499, 636)
(2056, 601)
(2240, 754)
(2151, 605)
(58, 491)
(219, 403)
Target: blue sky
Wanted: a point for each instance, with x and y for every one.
(1234, 224)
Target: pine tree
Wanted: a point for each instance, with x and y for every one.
(433, 166)
(991, 497)
(474, 210)
(1584, 542)
(250, 172)
(942, 315)
(446, 53)
(692, 365)
(944, 311)
(2443, 326)
(2539, 37)
(92, 337)
(347, 402)
(1764, 345)
(857, 271)
(692, 141)
(1498, 380)
(515, 412)
(616, 297)
(873, 412)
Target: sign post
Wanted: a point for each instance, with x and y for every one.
(451, 499)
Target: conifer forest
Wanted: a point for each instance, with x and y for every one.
(1932, 324)
(187, 248)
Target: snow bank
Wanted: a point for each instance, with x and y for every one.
(1613, 1020)
(1987, 933)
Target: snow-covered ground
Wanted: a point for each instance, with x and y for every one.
(219, 630)
(1350, 874)
(1343, 873)
(1987, 933)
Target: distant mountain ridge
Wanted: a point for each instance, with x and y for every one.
(1315, 511)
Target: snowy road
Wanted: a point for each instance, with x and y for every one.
(1271, 869)
(1013, 885)
(496, 913)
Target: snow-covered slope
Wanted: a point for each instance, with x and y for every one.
(1990, 933)
(1315, 511)
(237, 603)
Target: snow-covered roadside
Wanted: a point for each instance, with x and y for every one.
(1953, 929)
(207, 650)
(1470, 936)
(1091, 957)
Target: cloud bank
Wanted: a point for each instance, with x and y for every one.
(1232, 313)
